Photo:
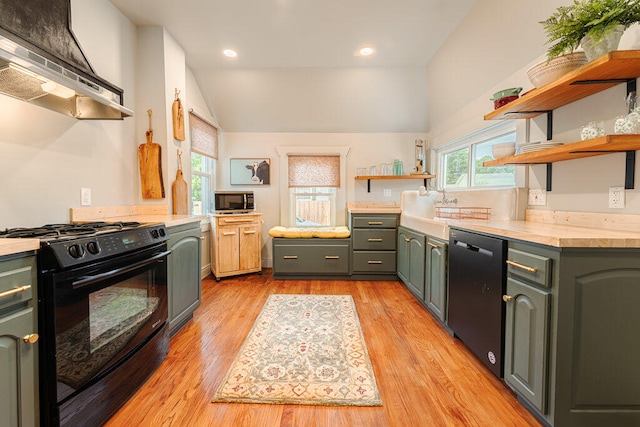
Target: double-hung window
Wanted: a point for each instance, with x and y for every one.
(313, 180)
(204, 152)
(460, 161)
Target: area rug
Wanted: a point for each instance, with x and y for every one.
(303, 349)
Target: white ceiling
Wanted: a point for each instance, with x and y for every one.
(296, 69)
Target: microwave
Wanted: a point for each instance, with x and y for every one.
(233, 201)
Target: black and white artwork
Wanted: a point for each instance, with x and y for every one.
(250, 171)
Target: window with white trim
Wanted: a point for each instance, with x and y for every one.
(204, 152)
(460, 161)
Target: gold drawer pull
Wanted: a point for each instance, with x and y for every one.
(331, 257)
(375, 222)
(374, 262)
(507, 298)
(374, 240)
(407, 240)
(523, 267)
(201, 238)
(250, 232)
(228, 233)
(290, 257)
(31, 338)
(433, 245)
(14, 291)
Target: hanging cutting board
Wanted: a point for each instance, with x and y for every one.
(178, 118)
(149, 155)
(180, 191)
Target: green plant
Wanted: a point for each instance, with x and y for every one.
(569, 24)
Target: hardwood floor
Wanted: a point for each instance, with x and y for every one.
(425, 376)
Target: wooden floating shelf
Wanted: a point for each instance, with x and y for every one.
(368, 178)
(602, 73)
(574, 150)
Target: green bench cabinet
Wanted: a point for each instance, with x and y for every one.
(310, 258)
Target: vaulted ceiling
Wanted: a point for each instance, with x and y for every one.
(297, 68)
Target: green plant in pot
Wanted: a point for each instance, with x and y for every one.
(596, 25)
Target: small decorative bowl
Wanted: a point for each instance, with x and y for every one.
(503, 150)
(550, 71)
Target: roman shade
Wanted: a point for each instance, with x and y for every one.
(308, 170)
(204, 137)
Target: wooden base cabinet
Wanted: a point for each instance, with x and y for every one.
(184, 266)
(411, 261)
(435, 288)
(18, 342)
(571, 343)
(236, 244)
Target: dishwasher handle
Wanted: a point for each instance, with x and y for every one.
(473, 248)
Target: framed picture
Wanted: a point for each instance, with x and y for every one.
(250, 171)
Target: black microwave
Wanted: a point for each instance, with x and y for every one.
(233, 201)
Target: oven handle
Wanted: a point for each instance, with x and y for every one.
(88, 280)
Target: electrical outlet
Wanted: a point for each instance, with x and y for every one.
(386, 192)
(616, 197)
(537, 197)
(85, 196)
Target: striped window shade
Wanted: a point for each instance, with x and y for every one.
(204, 137)
(308, 170)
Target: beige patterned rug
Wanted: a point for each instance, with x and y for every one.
(303, 349)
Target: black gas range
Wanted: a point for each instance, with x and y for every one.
(79, 243)
(102, 315)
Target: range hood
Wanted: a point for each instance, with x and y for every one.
(42, 63)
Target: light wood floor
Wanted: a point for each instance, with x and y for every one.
(425, 376)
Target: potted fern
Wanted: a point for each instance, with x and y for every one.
(596, 25)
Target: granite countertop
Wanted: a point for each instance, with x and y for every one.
(556, 235)
(14, 246)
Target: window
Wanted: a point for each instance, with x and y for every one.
(460, 161)
(313, 180)
(204, 152)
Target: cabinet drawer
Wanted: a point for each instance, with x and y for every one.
(231, 220)
(312, 259)
(374, 261)
(367, 239)
(532, 267)
(389, 221)
(17, 276)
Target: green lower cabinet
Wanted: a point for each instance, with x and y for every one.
(527, 341)
(411, 265)
(183, 270)
(435, 294)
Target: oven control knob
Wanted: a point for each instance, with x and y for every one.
(154, 233)
(162, 232)
(93, 247)
(76, 251)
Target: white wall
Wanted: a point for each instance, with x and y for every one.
(492, 50)
(364, 150)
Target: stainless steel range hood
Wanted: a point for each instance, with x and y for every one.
(42, 63)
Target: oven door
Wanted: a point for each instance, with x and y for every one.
(96, 316)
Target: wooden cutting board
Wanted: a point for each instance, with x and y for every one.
(150, 158)
(180, 195)
(177, 114)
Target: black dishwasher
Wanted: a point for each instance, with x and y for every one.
(476, 285)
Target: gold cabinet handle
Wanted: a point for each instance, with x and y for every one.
(14, 291)
(31, 338)
(374, 262)
(201, 238)
(331, 257)
(374, 240)
(375, 222)
(407, 240)
(507, 298)
(433, 245)
(290, 257)
(523, 267)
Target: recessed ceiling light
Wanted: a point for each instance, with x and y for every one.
(366, 51)
(230, 53)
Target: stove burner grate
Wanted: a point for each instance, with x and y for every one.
(66, 230)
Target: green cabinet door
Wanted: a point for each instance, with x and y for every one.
(435, 294)
(527, 341)
(184, 265)
(411, 253)
(17, 370)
